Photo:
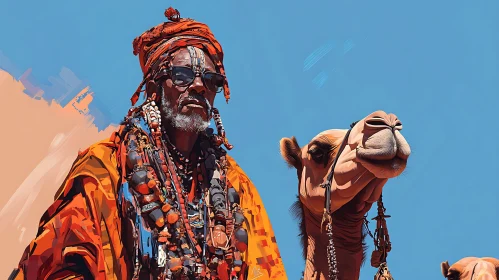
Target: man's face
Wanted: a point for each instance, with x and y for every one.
(188, 107)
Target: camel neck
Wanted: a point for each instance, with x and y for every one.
(347, 239)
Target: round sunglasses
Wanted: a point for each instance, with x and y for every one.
(183, 76)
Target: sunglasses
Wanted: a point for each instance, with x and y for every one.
(183, 76)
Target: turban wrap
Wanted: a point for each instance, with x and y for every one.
(170, 36)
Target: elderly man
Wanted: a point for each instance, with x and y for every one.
(160, 199)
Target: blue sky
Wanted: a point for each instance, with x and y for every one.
(297, 69)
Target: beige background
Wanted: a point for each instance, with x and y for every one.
(39, 141)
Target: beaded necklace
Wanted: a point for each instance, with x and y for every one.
(201, 237)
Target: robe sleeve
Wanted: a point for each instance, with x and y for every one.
(262, 255)
(67, 243)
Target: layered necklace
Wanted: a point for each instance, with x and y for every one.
(190, 225)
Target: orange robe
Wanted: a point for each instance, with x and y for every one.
(80, 233)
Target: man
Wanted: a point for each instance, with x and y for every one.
(160, 199)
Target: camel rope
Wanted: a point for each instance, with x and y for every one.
(382, 244)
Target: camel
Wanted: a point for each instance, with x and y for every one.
(472, 268)
(375, 151)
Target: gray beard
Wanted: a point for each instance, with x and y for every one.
(188, 123)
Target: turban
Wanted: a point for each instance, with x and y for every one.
(170, 36)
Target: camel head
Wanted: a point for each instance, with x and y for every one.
(472, 268)
(375, 152)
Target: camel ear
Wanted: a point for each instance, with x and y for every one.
(445, 268)
(291, 152)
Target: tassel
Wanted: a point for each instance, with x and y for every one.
(172, 14)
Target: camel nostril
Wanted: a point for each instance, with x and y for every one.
(376, 122)
(398, 125)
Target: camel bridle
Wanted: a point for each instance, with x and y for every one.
(381, 238)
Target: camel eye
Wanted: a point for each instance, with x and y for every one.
(317, 154)
(453, 275)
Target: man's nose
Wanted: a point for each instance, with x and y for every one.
(197, 85)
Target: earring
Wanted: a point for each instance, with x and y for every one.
(220, 129)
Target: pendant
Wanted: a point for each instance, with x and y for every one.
(161, 256)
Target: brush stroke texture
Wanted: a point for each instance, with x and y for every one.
(38, 150)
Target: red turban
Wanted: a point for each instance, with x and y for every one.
(169, 37)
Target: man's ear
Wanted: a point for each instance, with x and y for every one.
(291, 152)
(151, 89)
(445, 268)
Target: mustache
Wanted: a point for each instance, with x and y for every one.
(197, 98)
